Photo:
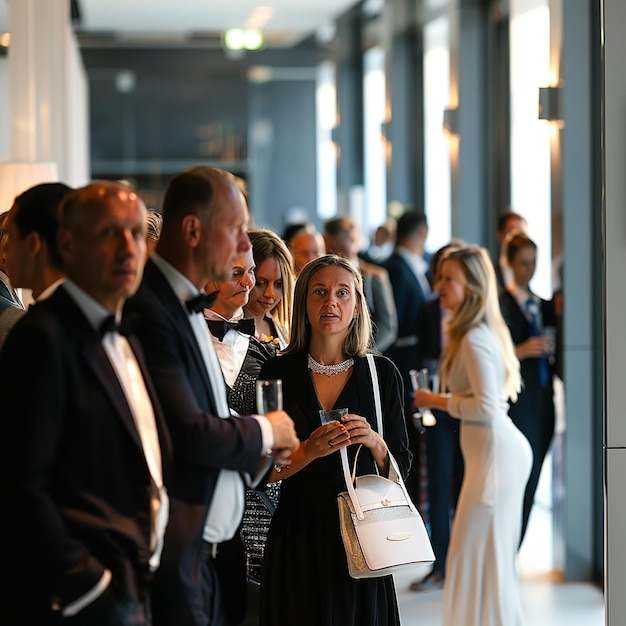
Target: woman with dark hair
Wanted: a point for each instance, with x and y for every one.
(532, 322)
(481, 371)
(304, 578)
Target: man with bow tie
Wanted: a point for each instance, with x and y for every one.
(215, 455)
(85, 450)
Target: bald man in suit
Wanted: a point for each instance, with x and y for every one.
(84, 448)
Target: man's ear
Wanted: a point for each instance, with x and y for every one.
(34, 243)
(192, 228)
(65, 243)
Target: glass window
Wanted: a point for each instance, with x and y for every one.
(326, 111)
(374, 205)
(437, 145)
(530, 137)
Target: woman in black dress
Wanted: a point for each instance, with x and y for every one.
(304, 577)
(528, 317)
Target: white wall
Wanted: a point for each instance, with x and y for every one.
(4, 108)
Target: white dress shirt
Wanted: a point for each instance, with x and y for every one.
(50, 289)
(231, 351)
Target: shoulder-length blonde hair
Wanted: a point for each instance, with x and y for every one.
(359, 338)
(266, 244)
(481, 305)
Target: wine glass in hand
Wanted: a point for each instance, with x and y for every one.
(420, 380)
(269, 397)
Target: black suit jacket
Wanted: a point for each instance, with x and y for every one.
(519, 328)
(409, 296)
(428, 330)
(533, 413)
(203, 443)
(74, 483)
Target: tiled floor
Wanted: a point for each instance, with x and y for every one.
(546, 603)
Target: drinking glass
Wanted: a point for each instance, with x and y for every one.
(269, 395)
(420, 380)
(332, 415)
(549, 333)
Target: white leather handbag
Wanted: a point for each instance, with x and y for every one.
(381, 529)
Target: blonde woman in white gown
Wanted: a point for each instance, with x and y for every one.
(481, 371)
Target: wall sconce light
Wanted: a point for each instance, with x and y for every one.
(451, 121)
(550, 105)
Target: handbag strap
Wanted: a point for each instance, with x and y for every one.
(375, 385)
(393, 466)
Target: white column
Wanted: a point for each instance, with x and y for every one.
(615, 302)
(48, 101)
(4, 108)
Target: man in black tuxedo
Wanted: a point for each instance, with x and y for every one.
(85, 450)
(215, 455)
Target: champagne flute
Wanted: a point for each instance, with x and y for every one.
(420, 380)
(269, 397)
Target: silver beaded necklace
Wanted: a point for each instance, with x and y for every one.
(329, 370)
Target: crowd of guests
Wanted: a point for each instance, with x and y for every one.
(141, 484)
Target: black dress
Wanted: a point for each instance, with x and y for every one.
(304, 578)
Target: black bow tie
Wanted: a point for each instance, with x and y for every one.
(201, 301)
(219, 328)
(110, 325)
(126, 327)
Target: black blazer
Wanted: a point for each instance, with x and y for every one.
(533, 399)
(408, 296)
(203, 443)
(428, 330)
(74, 483)
(407, 291)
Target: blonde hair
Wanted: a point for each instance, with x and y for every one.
(481, 305)
(359, 338)
(266, 244)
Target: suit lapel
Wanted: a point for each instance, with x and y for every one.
(171, 303)
(409, 272)
(99, 362)
(95, 357)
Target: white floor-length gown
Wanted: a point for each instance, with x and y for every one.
(481, 587)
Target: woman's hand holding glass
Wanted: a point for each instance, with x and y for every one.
(331, 436)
